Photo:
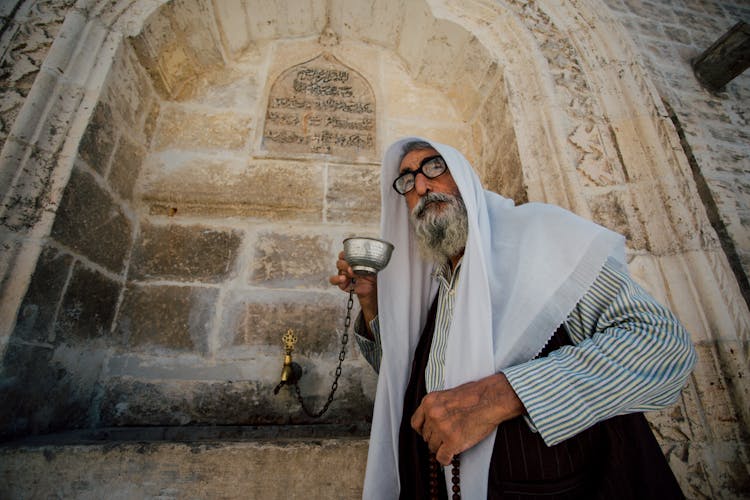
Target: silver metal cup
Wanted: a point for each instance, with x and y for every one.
(367, 255)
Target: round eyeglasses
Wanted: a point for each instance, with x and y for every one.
(430, 167)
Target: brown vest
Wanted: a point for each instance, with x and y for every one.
(618, 458)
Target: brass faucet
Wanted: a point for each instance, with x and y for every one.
(291, 371)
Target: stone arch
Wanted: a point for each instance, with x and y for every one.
(549, 101)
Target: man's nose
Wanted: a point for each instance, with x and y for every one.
(421, 184)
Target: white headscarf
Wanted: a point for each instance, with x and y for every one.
(524, 269)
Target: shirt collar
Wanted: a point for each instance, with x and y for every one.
(442, 272)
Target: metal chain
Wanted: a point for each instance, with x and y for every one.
(342, 355)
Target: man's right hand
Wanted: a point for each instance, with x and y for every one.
(365, 286)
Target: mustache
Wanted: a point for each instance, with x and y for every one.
(429, 198)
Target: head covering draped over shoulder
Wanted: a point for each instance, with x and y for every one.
(524, 269)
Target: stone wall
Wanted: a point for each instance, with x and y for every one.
(714, 125)
(713, 128)
(158, 246)
(28, 30)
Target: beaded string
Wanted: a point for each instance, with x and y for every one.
(456, 479)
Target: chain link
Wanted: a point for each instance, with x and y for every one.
(342, 355)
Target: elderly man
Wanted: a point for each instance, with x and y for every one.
(511, 343)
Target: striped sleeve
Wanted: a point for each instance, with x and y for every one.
(631, 354)
(370, 349)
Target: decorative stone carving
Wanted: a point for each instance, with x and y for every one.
(594, 153)
(321, 106)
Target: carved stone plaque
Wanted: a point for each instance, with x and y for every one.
(321, 106)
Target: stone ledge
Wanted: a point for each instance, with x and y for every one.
(213, 468)
(191, 434)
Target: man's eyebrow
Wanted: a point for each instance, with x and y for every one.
(421, 162)
(404, 169)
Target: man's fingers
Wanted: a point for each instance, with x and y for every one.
(444, 455)
(417, 420)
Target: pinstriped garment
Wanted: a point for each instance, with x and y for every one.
(435, 370)
(434, 373)
(631, 354)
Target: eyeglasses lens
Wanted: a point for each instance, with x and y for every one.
(430, 168)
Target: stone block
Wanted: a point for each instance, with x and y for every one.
(353, 194)
(500, 164)
(235, 87)
(47, 127)
(445, 43)
(181, 128)
(194, 22)
(232, 21)
(702, 292)
(131, 402)
(149, 126)
(185, 253)
(714, 397)
(411, 43)
(17, 413)
(477, 75)
(177, 44)
(609, 210)
(380, 26)
(453, 134)
(677, 34)
(200, 184)
(42, 393)
(13, 149)
(249, 464)
(177, 318)
(88, 307)
(89, 222)
(284, 19)
(260, 318)
(126, 165)
(98, 140)
(30, 197)
(406, 100)
(291, 260)
(709, 26)
(37, 312)
(128, 90)
(734, 361)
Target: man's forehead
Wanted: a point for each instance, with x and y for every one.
(411, 160)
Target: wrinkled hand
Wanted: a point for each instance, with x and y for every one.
(365, 286)
(454, 420)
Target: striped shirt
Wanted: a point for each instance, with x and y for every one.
(435, 370)
(631, 354)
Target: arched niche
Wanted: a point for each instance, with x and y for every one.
(150, 111)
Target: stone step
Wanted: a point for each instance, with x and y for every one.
(265, 462)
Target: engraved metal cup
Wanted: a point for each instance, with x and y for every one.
(367, 255)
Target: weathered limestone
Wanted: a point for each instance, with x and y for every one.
(89, 222)
(316, 319)
(269, 468)
(181, 128)
(160, 240)
(168, 317)
(192, 253)
(200, 184)
(714, 125)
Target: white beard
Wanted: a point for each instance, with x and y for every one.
(440, 231)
